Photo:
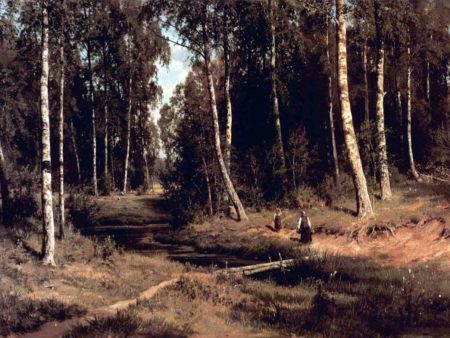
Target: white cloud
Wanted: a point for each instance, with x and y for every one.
(177, 70)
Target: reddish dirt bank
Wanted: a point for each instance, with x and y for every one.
(408, 246)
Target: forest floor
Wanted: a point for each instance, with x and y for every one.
(405, 232)
(97, 290)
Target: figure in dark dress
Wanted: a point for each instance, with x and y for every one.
(277, 219)
(304, 228)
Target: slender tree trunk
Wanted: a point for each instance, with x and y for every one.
(111, 161)
(94, 132)
(330, 111)
(235, 200)
(273, 78)
(75, 150)
(47, 196)
(412, 165)
(400, 114)
(106, 178)
(229, 116)
(366, 83)
(147, 172)
(105, 169)
(364, 206)
(427, 82)
(6, 216)
(208, 187)
(61, 141)
(385, 185)
(127, 153)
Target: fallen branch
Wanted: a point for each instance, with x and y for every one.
(257, 268)
(431, 178)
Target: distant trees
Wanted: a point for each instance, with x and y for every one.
(257, 120)
(276, 55)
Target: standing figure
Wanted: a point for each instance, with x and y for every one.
(277, 219)
(304, 228)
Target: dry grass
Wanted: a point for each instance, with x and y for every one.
(83, 275)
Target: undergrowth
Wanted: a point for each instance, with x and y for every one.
(18, 315)
(127, 324)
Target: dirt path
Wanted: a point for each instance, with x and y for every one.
(58, 329)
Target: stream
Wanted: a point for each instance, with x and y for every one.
(140, 238)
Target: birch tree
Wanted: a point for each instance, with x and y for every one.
(61, 126)
(229, 108)
(192, 22)
(240, 211)
(4, 184)
(48, 249)
(88, 18)
(130, 105)
(273, 80)
(75, 149)
(364, 206)
(412, 164)
(330, 107)
(385, 186)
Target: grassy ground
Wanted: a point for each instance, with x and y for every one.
(88, 275)
(380, 286)
(404, 232)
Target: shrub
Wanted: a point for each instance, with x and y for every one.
(331, 191)
(128, 324)
(104, 248)
(82, 209)
(22, 315)
(306, 198)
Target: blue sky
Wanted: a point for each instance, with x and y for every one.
(175, 73)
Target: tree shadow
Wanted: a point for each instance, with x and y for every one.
(30, 250)
(345, 210)
(271, 228)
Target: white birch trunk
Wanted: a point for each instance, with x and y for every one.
(61, 141)
(127, 153)
(47, 197)
(75, 150)
(330, 111)
(208, 187)
(229, 109)
(273, 77)
(6, 217)
(412, 165)
(400, 114)
(94, 132)
(364, 205)
(427, 83)
(235, 200)
(385, 185)
(105, 169)
(366, 83)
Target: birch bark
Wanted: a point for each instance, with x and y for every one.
(363, 203)
(47, 196)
